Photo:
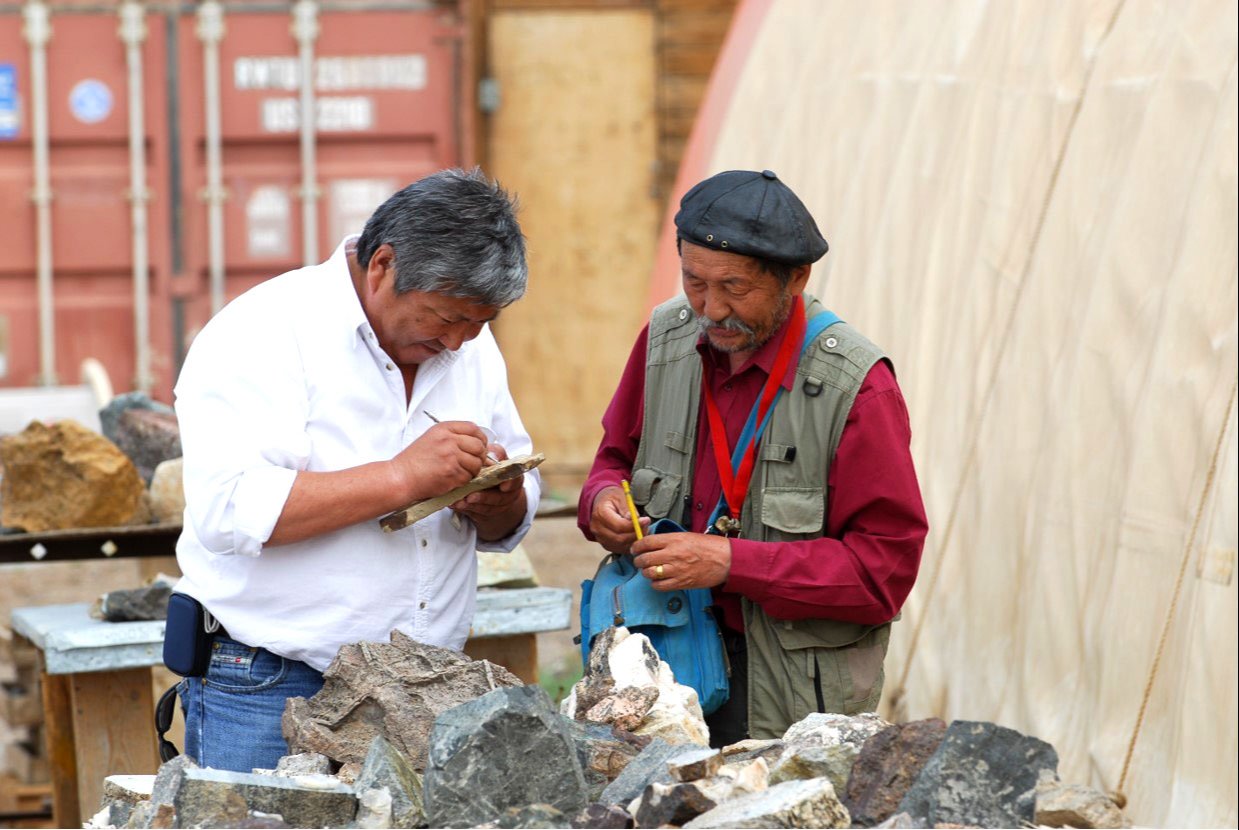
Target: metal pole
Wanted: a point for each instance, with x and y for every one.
(211, 32)
(133, 32)
(38, 31)
(305, 30)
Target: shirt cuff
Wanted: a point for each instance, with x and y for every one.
(750, 570)
(257, 503)
(533, 495)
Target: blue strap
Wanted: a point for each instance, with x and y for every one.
(813, 328)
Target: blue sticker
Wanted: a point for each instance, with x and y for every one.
(10, 104)
(91, 101)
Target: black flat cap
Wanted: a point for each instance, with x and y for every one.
(750, 213)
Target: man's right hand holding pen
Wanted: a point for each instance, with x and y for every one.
(612, 522)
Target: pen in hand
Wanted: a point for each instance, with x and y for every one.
(632, 509)
(490, 456)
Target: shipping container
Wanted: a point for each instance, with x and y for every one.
(153, 163)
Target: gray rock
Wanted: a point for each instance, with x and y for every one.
(394, 689)
(303, 763)
(770, 748)
(802, 762)
(110, 414)
(886, 767)
(134, 604)
(210, 798)
(663, 804)
(386, 768)
(809, 803)
(508, 748)
(373, 809)
(148, 437)
(603, 817)
(604, 752)
(899, 821)
(982, 774)
(830, 729)
(168, 779)
(647, 768)
(128, 789)
(140, 816)
(531, 816)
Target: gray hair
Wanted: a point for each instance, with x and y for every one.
(454, 233)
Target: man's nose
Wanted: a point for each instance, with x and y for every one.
(716, 308)
(458, 334)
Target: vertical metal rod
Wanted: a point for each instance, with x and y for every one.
(305, 30)
(38, 31)
(133, 32)
(211, 32)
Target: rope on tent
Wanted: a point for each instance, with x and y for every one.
(1178, 590)
(899, 691)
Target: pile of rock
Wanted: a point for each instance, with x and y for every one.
(455, 743)
(62, 476)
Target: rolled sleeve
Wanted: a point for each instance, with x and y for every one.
(242, 413)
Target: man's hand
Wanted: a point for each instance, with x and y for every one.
(446, 456)
(498, 510)
(611, 523)
(676, 561)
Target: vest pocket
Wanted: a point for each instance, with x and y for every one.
(655, 490)
(797, 510)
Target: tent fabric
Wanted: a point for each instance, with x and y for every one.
(1032, 208)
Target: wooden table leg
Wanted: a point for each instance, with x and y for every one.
(518, 653)
(61, 758)
(114, 721)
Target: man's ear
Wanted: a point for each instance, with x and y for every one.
(381, 264)
(800, 278)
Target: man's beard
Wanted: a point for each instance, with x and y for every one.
(754, 338)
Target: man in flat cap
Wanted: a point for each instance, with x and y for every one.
(748, 410)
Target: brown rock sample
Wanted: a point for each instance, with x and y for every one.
(489, 477)
(887, 765)
(65, 476)
(391, 689)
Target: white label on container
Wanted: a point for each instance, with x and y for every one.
(332, 74)
(353, 200)
(268, 213)
(334, 114)
(90, 101)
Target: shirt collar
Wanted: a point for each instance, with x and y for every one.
(762, 359)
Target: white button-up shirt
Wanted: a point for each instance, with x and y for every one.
(289, 377)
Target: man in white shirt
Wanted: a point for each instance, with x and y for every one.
(307, 410)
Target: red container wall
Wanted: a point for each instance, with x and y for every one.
(388, 84)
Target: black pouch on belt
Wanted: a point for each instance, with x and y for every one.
(186, 642)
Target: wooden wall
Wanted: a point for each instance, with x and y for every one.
(596, 101)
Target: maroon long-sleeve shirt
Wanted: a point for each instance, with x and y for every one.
(862, 569)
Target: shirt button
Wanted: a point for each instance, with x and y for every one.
(390, 367)
(421, 605)
(700, 506)
(425, 542)
(726, 387)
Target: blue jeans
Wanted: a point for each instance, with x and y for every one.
(232, 715)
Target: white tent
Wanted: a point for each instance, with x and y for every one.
(1032, 208)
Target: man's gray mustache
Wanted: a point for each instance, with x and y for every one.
(730, 324)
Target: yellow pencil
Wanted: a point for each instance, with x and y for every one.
(632, 508)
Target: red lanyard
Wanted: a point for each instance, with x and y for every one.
(736, 484)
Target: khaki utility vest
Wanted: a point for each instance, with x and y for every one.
(795, 666)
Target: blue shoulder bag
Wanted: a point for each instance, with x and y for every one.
(679, 624)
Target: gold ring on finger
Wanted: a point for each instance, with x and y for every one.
(658, 571)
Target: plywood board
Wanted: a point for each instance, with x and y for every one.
(575, 138)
